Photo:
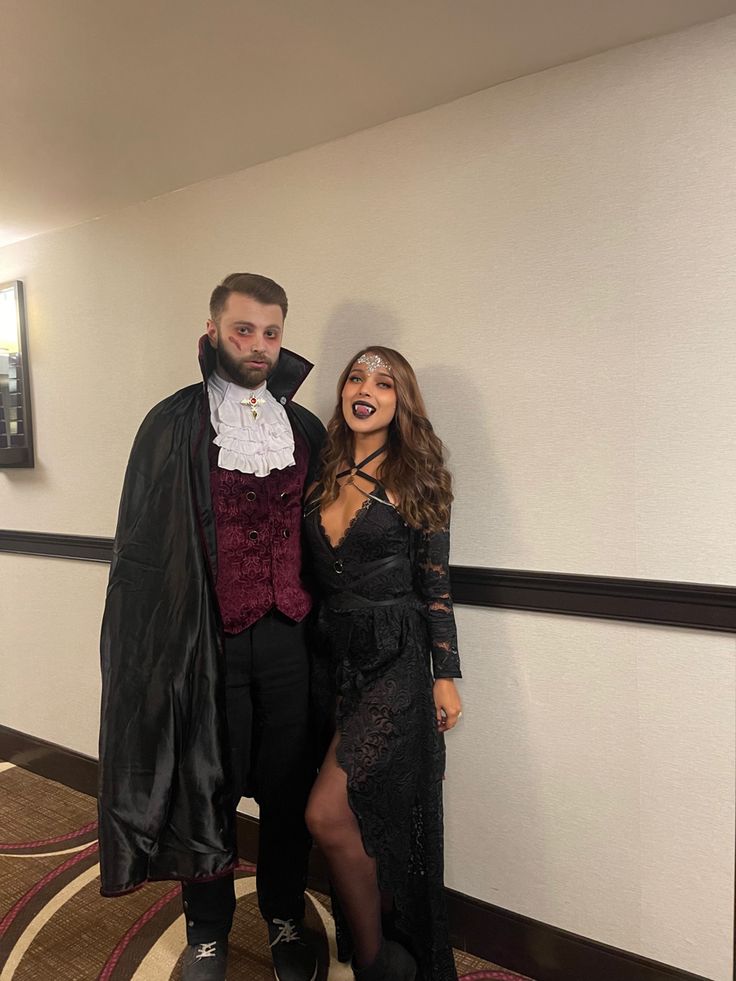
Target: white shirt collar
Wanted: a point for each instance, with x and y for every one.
(249, 443)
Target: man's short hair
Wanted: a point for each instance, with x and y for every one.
(257, 287)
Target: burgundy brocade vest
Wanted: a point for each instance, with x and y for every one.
(259, 554)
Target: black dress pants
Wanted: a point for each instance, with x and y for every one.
(273, 761)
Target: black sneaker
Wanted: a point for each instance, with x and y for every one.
(205, 962)
(293, 958)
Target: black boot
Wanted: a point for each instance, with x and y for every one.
(394, 963)
(343, 939)
(343, 942)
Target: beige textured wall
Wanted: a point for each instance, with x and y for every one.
(556, 258)
(591, 785)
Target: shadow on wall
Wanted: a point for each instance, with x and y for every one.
(493, 772)
(497, 697)
(352, 326)
(35, 476)
(455, 404)
(483, 510)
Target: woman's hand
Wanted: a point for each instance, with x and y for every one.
(447, 703)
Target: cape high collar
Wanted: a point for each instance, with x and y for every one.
(283, 383)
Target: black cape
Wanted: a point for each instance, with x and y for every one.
(164, 798)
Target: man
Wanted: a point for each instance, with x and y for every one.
(204, 657)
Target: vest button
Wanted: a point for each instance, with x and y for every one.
(253, 535)
(285, 496)
(286, 532)
(250, 496)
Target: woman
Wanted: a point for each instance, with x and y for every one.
(379, 539)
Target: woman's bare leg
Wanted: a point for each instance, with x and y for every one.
(353, 873)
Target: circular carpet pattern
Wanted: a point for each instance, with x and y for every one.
(54, 924)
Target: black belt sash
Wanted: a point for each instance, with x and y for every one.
(348, 599)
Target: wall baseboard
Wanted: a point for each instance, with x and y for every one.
(545, 952)
(674, 604)
(65, 766)
(541, 951)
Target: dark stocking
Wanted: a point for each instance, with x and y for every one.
(353, 873)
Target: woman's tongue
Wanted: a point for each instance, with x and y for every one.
(362, 411)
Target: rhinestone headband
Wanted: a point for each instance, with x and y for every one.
(373, 362)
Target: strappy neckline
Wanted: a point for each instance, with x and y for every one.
(354, 470)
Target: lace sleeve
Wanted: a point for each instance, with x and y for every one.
(432, 575)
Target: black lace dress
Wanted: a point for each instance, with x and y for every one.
(385, 614)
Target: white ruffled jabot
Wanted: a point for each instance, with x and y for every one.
(250, 445)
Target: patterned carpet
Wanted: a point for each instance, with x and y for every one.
(54, 925)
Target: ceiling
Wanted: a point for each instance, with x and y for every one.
(109, 102)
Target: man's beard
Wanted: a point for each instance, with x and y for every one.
(240, 371)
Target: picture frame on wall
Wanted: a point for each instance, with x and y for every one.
(16, 429)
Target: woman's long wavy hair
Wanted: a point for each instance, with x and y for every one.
(413, 469)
